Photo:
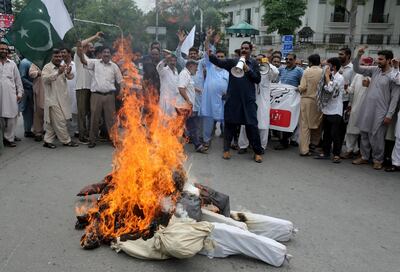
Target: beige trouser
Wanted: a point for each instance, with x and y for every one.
(38, 121)
(10, 126)
(98, 104)
(308, 136)
(57, 126)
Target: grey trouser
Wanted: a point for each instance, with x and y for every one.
(374, 142)
(83, 105)
(98, 103)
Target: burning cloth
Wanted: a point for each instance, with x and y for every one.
(137, 201)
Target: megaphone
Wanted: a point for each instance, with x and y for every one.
(264, 66)
(237, 71)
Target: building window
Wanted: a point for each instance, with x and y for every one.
(322, 1)
(362, 39)
(398, 2)
(266, 40)
(256, 10)
(230, 18)
(388, 38)
(248, 16)
(337, 38)
(375, 39)
(361, 2)
(238, 13)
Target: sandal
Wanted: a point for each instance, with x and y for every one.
(392, 168)
(322, 156)
(336, 159)
(71, 144)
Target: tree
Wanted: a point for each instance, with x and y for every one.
(283, 15)
(184, 14)
(352, 13)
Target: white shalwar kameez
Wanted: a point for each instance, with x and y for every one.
(396, 149)
(169, 88)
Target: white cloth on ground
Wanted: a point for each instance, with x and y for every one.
(230, 240)
(274, 228)
(213, 217)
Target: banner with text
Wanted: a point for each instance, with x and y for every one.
(285, 107)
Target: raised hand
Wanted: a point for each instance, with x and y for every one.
(62, 68)
(395, 63)
(217, 38)
(99, 34)
(210, 32)
(181, 36)
(69, 69)
(361, 51)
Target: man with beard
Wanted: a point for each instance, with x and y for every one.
(214, 88)
(291, 75)
(57, 106)
(240, 106)
(11, 91)
(106, 74)
(378, 107)
(83, 83)
(263, 100)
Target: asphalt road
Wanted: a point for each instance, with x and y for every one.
(348, 216)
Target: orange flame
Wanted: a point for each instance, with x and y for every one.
(148, 151)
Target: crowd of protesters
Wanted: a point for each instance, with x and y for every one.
(348, 110)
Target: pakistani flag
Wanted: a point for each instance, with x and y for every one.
(38, 28)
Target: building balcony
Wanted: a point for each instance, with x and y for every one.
(338, 20)
(339, 17)
(378, 21)
(378, 18)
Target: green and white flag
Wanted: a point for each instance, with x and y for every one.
(38, 28)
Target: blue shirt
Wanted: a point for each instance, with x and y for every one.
(290, 76)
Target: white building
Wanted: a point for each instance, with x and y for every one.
(377, 25)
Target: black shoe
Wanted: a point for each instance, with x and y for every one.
(91, 144)
(84, 141)
(16, 139)
(38, 138)
(49, 145)
(9, 144)
(281, 147)
(71, 144)
(294, 144)
(242, 151)
(76, 134)
(29, 134)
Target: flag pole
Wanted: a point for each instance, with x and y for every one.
(101, 23)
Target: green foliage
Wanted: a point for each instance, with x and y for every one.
(183, 16)
(123, 13)
(283, 15)
(133, 22)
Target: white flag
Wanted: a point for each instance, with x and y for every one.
(189, 41)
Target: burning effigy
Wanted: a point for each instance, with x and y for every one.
(146, 206)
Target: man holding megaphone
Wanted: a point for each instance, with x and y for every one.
(240, 105)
